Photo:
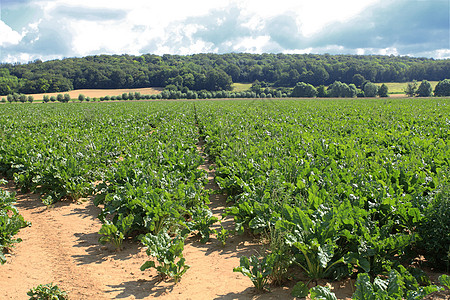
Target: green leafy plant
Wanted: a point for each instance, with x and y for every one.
(202, 219)
(281, 254)
(222, 235)
(435, 240)
(445, 280)
(313, 241)
(257, 269)
(321, 293)
(115, 233)
(300, 290)
(396, 286)
(168, 252)
(47, 292)
(10, 223)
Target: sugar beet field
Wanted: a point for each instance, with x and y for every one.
(248, 199)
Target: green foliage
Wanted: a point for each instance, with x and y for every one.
(257, 269)
(411, 89)
(223, 235)
(115, 233)
(302, 89)
(322, 293)
(10, 223)
(358, 80)
(22, 98)
(313, 240)
(47, 292)
(442, 88)
(201, 71)
(202, 220)
(445, 280)
(425, 89)
(396, 286)
(168, 252)
(300, 290)
(383, 90)
(370, 89)
(66, 98)
(435, 242)
(341, 90)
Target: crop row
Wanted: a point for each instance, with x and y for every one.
(140, 161)
(342, 187)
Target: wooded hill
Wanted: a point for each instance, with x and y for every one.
(212, 72)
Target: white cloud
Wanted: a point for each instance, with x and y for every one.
(8, 36)
(86, 27)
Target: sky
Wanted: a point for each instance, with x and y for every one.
(54, 29)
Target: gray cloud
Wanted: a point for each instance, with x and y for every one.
(412, 27)
(220, 27)
(409, 26)
(48, 40)
(284, 31)
(89, 14)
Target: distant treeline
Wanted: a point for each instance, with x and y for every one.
(212, 72)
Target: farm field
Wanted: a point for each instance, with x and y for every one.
(399, 87)
(324, 189)
(97, 93)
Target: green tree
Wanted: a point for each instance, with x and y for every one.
(370, 89)
(81, 97)
(30, 99)
(302, 89)
(358, 80)
(60, 97)
(46, 98)
(53, 99)
(217, 80)
(425, 89)
(383, 91)
(10, 98)
(339, 89)
(442, 88)
(321, 91)
(66, 98)
(411, 88)
(23, 98)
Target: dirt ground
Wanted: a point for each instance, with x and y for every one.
(61, 246)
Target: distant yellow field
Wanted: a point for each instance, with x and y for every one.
(399, 87)
(240, 87)
(100, 93)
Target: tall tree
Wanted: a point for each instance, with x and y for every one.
(411, 88)
(302, 89)
(370, 89)
(442, 88)
(425, 89)
(383, 90)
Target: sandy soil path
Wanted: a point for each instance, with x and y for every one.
(61, 246)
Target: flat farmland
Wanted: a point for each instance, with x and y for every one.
(327, 192)
(97, 93)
